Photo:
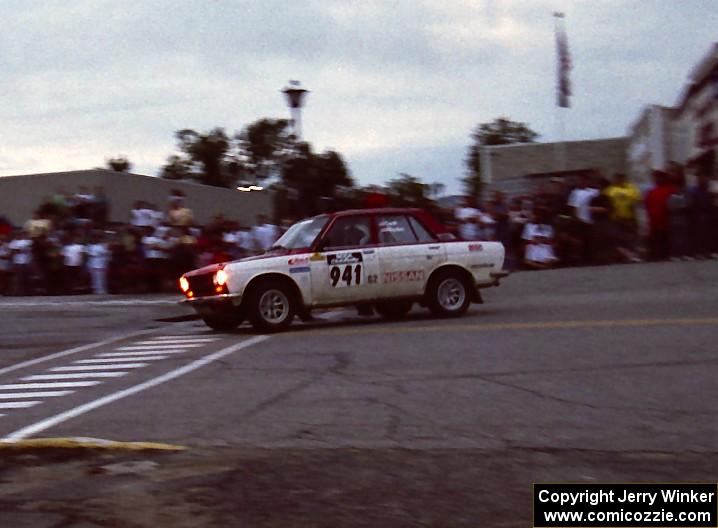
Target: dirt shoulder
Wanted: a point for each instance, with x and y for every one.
(312, 487)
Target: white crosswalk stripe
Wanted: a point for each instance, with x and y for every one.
(17, 405)
(118, 359)
(138, 354)
(34, 394)
(188, 340)
(188, 336)
(48, 377)
(159, 347)
(88, 368)
(49, 385)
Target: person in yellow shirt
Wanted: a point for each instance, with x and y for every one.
(624, 197)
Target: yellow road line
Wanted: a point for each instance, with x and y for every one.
(87, 443)
(539, 325)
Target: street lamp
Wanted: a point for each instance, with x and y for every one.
(295, 95)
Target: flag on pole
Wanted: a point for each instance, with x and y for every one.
(563, 89)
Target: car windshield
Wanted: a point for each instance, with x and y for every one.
(302, 234)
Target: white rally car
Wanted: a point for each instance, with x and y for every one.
(381, 258)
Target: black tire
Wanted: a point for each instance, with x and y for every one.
(393, 310)
(448, 294)
(271, 306)
(222, 323)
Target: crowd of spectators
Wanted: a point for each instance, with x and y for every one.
(592, 220)
(69, 246)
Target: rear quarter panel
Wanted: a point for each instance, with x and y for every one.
(480, 258)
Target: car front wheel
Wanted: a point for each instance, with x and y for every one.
(271, 307)
(448, 295)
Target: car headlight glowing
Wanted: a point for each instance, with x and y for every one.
(220, 277)
(184, 284)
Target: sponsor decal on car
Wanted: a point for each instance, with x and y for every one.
(344, 258)
(316, 257)
(298, 261)
(300, 269)
(483, 265)
(476, 247)
(403, 276)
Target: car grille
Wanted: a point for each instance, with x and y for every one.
(202, 285)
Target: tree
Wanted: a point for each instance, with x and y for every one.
(501, 131)
(262, 146)
(205, 158)
(407, 190)
(119, 164)
(314, 176)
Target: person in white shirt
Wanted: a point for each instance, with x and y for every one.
(580, 201)
(5, 266)
(156, 247)
(264, 233)
(538, 238)
(73, 255)
(21, 261)
(98, 259)
(468, 218)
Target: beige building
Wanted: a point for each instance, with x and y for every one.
(21, 195)
(520, 168)
(687, 133)
(696, 121)
(653, 142)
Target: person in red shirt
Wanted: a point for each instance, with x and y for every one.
(657, 212)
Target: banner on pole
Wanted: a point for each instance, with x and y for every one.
(563, 89)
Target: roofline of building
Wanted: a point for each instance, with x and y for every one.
(543, 144)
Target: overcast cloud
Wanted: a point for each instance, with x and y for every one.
(396, 86)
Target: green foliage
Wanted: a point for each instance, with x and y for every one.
(407, 190)
(119, 164)
(262, 146)
(313, 176)
(501, 131)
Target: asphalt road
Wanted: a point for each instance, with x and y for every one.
(616, 361)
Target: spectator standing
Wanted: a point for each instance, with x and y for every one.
(5, 264)
(580, 202)
(657, 212)
(679, 236)
(467, 217)
(73, 254)
(625, 198)
(21, 257)
(155, 248)
(538, 238)
(98, 259)
(702, 217)
(264, 233)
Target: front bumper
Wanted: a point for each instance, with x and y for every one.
(215, 305)
(225, 298)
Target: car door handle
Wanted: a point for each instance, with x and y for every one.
(434, 247)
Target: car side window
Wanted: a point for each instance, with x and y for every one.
(395, 229)
(349, 231)
(420, 231)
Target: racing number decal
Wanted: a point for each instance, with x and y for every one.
(350, 274)
(345, 269)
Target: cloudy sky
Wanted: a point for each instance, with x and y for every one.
(396, 86)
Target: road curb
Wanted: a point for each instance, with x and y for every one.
(86, 443)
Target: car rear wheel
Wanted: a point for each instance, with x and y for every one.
(271, 307)
(393, 309)
(448, 295)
